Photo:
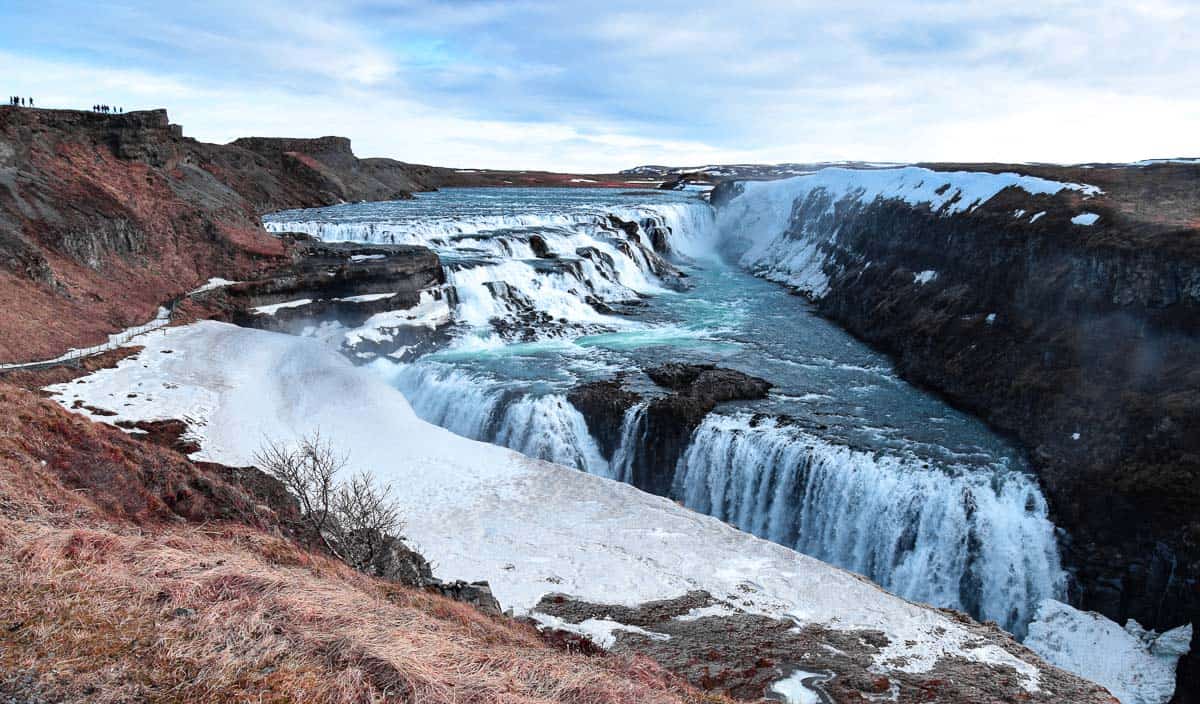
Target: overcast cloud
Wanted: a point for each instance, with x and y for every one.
(603, 86)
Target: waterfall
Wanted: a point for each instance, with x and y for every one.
(972, 538)
(549, 428)
(633, 435)
(582, 262)
(545, 427)
(979, 541)
(455, 400)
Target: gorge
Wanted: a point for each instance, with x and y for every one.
(909, 416)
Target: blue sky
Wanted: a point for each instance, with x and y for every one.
(601, 86)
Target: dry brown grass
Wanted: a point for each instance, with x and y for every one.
(98, 606)
(188, 614)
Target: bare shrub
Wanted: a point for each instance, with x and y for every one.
(355, 518)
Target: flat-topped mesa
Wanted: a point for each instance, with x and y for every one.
(330, 151)
(330, 165)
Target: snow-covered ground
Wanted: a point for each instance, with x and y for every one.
(161, 319)
(479, 511)
(1136, 665)
(757, 225)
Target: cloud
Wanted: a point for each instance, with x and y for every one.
(580, 86)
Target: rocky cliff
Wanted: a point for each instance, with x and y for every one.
(105, 217)
(1064, 315)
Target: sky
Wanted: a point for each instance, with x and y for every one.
(602, 86)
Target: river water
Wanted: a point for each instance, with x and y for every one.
(843, 461)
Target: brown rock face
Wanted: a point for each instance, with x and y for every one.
(105, 217)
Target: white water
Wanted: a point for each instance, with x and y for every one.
(547, 427)
(972, 541)
(493, 266)
(895, 486)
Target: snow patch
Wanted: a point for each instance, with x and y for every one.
(601, 631)
(924, 277)
(1085, 219)
(276, 307)
(1036, 217)
(794, 690)
(705, 612)
(366, 297)
(430, 312)
(759, 226)
(1136, 665)
(213, 283)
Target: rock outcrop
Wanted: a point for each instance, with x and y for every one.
(105, 217)
(668, 420)
(719, 647)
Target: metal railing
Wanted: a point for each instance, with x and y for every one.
(161, 320)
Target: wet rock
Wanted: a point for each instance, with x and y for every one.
(709, 382)
(540, 249)
(1080, 342)
(668, 420)
(603, 405)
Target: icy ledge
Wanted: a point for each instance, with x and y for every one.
(1136, 665)
(479, 511)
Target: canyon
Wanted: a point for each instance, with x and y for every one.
(1055, 306)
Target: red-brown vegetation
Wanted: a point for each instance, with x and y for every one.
(120, 589)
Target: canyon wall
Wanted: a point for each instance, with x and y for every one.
(105, 217)
(1064, 315)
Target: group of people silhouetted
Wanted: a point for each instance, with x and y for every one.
(19, 101)
(107, 109)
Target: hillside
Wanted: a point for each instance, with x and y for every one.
(105, 217)
(135, 574)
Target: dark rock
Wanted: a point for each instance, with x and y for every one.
(477, 594)
(398, 563)
(668, 421)
(540, 249)
(707, 381)
(1090, 360)
(603, 405)
(741, 655)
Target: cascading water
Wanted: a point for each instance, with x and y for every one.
(976, 541)
(868, 473)
(546, 427)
